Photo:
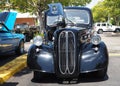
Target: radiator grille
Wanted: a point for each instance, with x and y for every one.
(66, 51)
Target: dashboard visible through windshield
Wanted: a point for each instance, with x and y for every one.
(77, 16)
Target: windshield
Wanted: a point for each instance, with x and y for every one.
(22, 26)
(52, 20)
(77, 16)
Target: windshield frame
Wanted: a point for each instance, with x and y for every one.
(90, 25)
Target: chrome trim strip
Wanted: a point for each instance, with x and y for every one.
(74, 54)
(67, 50)
(67, 69)
(60, 53)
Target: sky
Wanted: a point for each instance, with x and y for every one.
(93, 3)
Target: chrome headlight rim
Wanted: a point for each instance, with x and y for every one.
(96, 39)
(37, 40)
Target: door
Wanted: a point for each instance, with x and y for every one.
(6, 42)
(104, 27)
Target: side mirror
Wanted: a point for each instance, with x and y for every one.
(61, 23)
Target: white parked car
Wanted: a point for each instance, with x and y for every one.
(101, 27)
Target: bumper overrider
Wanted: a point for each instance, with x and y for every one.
(42, 59)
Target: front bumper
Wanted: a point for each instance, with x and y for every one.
(90, 60)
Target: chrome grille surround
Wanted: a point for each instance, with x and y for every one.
(66, 52)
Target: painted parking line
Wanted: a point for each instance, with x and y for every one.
(114, 54)
(9, 69)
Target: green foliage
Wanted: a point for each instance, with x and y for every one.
(39, 34)
(100, 13)
(79, 2)
(40, 5)
(0, 10)
(108, 9)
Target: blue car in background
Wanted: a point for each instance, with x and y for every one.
(10, 41)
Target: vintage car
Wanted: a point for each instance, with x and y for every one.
(10, 41)
(24, 29)
(69, 47)
(28, 31)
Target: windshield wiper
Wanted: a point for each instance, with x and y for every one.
(73, 24)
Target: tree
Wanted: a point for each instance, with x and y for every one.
(107, 10)
(114, 10)
(100, 13)
(38, 6)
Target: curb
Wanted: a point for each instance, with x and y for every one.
(12, 67)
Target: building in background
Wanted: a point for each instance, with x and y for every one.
(26, 18)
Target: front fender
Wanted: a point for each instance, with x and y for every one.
(92, 60)
(19, 37)
(40, 59)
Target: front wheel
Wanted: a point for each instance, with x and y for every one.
(37, 75)
(117, 30)
(101, 73)
(20, 49)
(100, 31)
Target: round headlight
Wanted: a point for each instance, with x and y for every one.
(96, 39)
(38, 40)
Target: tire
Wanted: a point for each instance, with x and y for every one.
(20, 49)
(101, 73)
(27, 37)
(117, 30)
(100, 31)
(37, 75)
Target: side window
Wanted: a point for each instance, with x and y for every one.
(98, 24)
(103, 24)
(108, 24)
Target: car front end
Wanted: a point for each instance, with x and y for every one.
(70, 50)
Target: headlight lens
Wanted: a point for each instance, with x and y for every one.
(38, 40)
(96, 39)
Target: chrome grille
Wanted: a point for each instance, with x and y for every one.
(66, 51)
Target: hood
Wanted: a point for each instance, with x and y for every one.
(55, 9)
(8, 18)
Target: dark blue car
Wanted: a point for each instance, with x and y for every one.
(70, 47)
(10, 41)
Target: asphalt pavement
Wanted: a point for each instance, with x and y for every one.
(24, 78)
(112, 40)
